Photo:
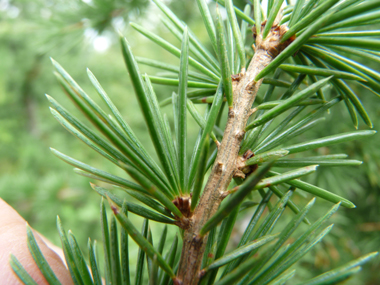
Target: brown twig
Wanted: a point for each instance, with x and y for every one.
(245, 89)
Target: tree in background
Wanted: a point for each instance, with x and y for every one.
(168, 190)
(31, 32)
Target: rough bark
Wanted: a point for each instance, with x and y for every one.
(245, 89)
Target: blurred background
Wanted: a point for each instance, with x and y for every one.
(84, 33)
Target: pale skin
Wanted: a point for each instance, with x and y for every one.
(13, 240)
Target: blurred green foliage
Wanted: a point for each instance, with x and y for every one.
(39, 186)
